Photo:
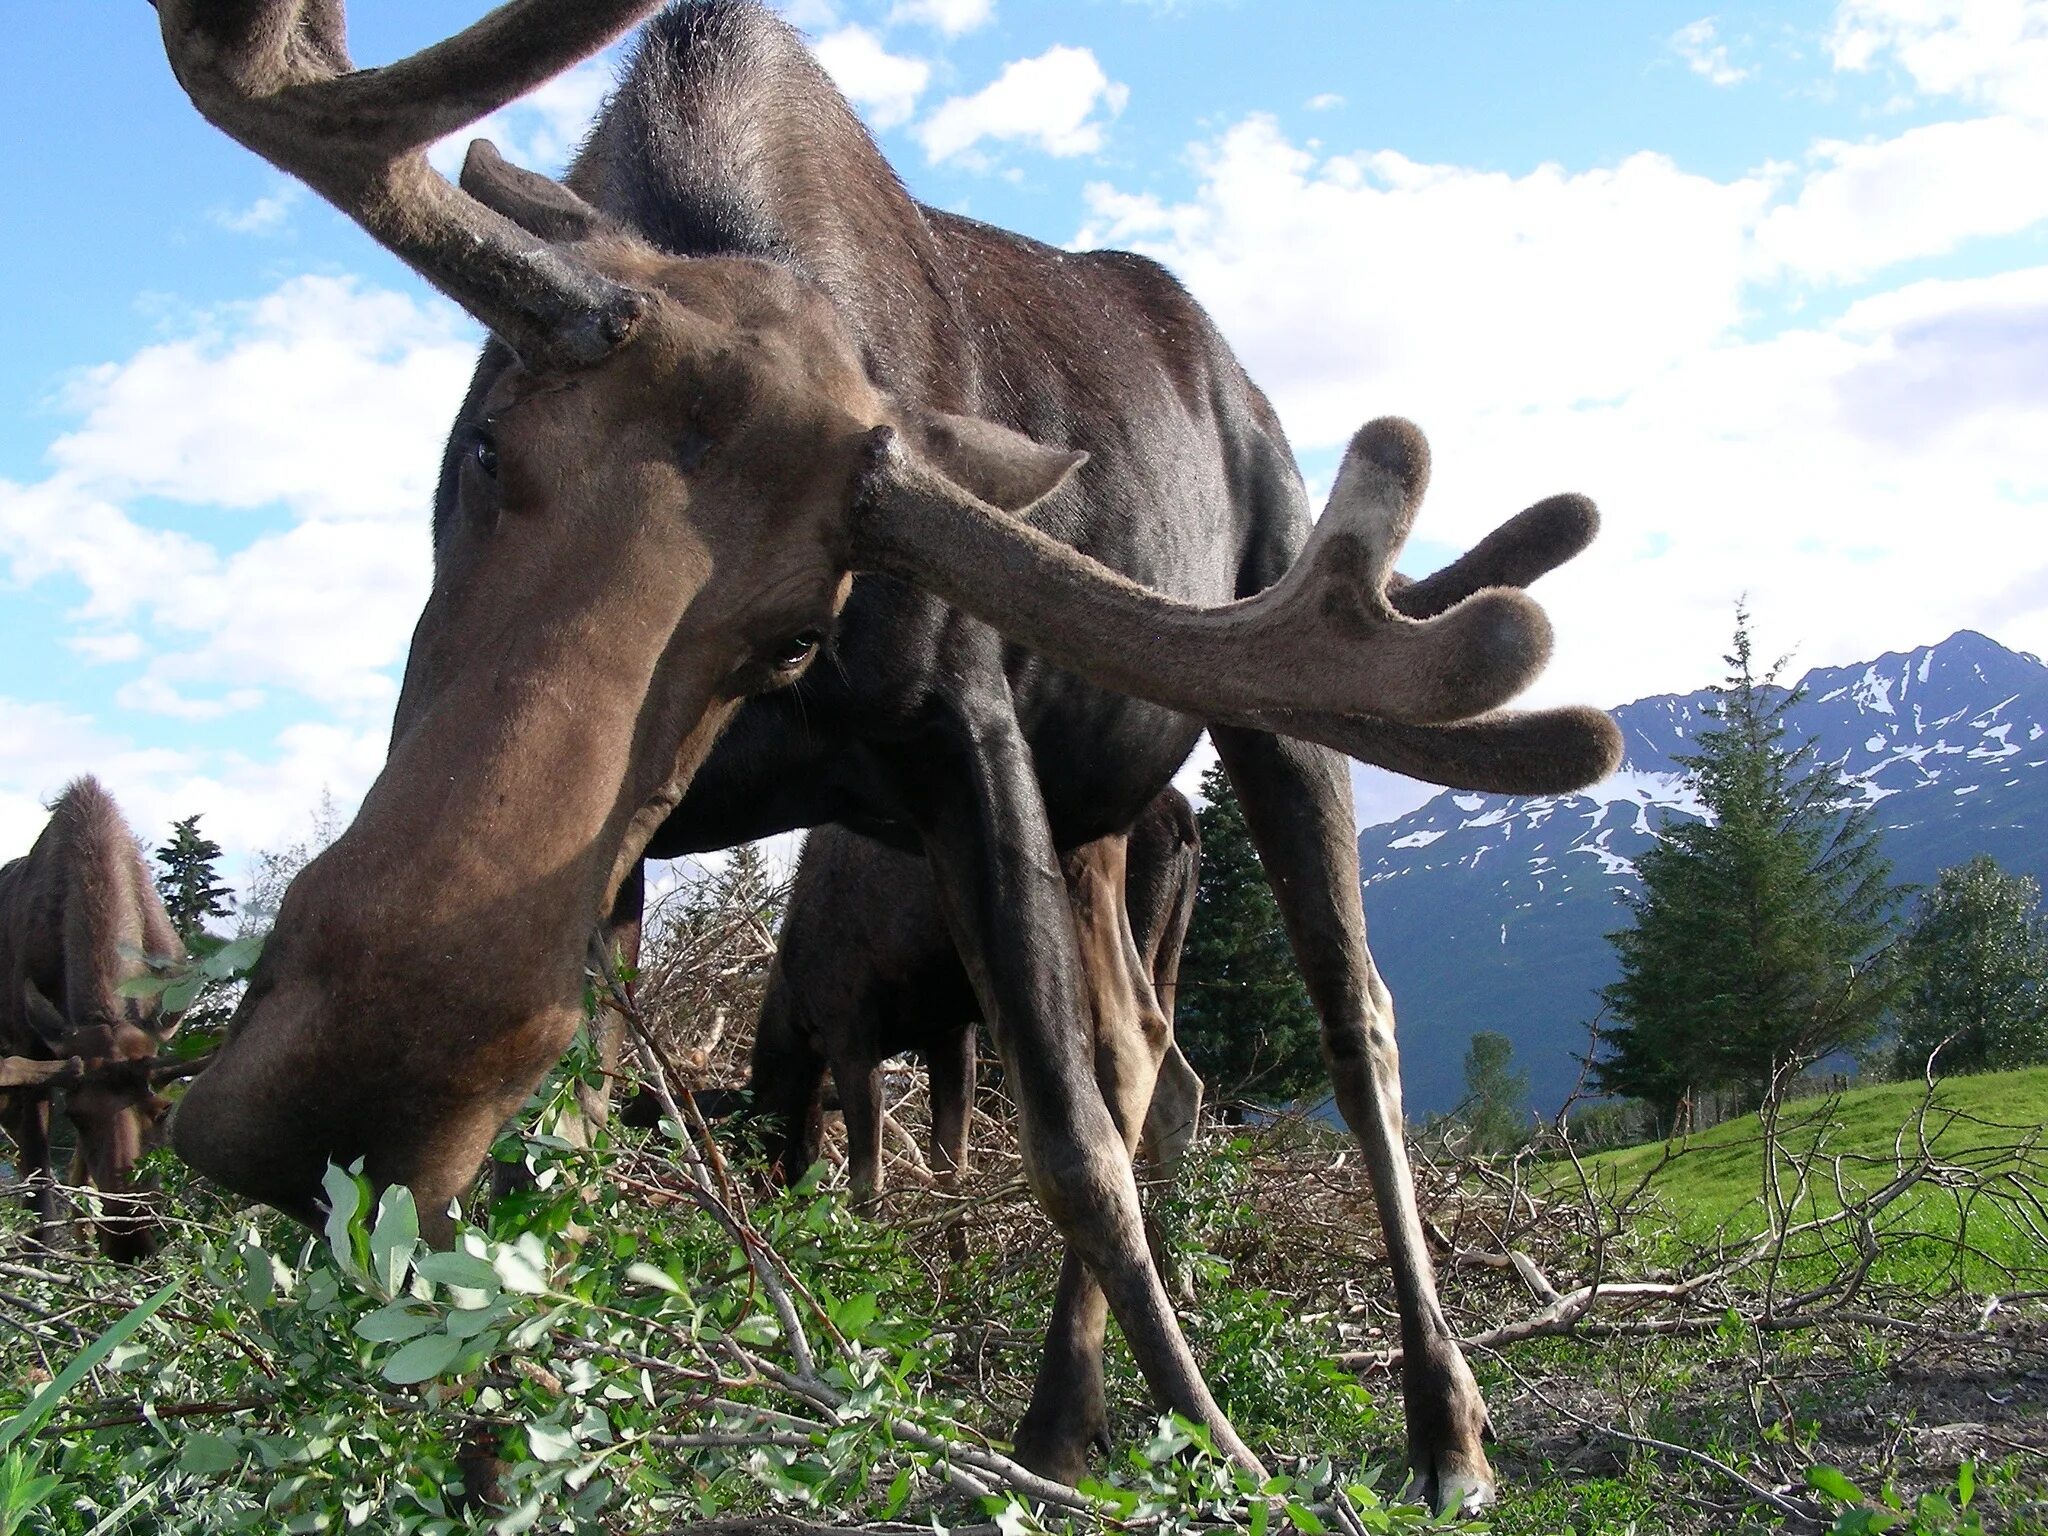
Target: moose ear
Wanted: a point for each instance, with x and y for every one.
(1003, 468)
(42, 1015)
(538, 204)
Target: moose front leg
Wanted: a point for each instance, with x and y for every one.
(1131, 1036)
(1297, 803)
(26, 1114)
(1006, 903)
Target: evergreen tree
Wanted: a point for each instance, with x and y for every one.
(1975, 963)
(1242, 1014)
(1496, 1095)
(1756, 928)
(188, 881)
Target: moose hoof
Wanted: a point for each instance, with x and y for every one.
(1057, 1452)
(1451, 1481)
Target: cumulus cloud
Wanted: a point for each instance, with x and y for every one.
(303, 431)
(1699, 44)
(1592, 330)
(1994, 52)
(1351, 277)
(954, 18)
(1925, 192)
(266, 215)
(884, 85)
(543, 128)
(1060, 102)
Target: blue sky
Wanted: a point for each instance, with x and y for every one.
(1770, 283)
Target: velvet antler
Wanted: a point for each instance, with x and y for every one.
(33, 1072)
(275, 75)
(1325, 638)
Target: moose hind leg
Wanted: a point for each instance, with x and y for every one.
(1006, 903)
(1297, 803)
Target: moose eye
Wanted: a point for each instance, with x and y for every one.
(484, 449)
(794, 650)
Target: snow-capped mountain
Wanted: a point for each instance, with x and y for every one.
(1490, 912)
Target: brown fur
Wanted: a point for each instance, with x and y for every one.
(752, 367)
(79, 915)
(865, 970)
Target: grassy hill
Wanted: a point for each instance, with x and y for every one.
(1984, 1135)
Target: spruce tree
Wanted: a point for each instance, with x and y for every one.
(1975, 968)
(1241, 1013)
(1757, 928)
(1495, 1110)
(188, 881)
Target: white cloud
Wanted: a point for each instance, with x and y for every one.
(1925, 192)
(1593, 331)
(1326, 101)
(1993, 52)
(324, 401)
(954, 18)
(884, 85)
(247, 803)
(543, 128)
(266, 215)
(1699, 44)
(1354, 284)
(1060, 102)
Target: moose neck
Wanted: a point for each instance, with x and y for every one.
(112, 917)
(725, 138)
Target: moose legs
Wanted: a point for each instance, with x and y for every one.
(1006, 903)
(1131, 1036)
(26, 1115)
(1297, 803)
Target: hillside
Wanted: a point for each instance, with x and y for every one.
(1490, 912)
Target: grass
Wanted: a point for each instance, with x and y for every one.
(1985, 1133)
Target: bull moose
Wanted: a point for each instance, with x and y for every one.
(79, 916)
(732, 364)
(865, 970)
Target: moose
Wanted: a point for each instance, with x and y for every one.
(79, 916)
(733, 366)
(865, 970)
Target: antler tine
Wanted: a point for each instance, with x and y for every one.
(275, 76)
(1508, 752)
(1324, 638)
(33, 1072)
(1530, 544)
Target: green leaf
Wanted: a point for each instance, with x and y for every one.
(1261, 1513)
(38, 1408)
(206, 1454)
(462, 1271)
(853, 1317)
(1966, 1484)
(757, 1328)
(647, 1274)
(549, 1444)
(1304, 1519)
(898, 1495)
(422, 1360)
(344, 1204)
(143, 986)
(1830, 1482)
(183, 993)
(394, 1237)
(234, 957)
(395, 1323)
(518, 1273)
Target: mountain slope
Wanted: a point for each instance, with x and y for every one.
(1490, 912)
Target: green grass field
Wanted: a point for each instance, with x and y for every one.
(1985, 1134)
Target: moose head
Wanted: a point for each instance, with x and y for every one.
(108, 1063)
(674, 480)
